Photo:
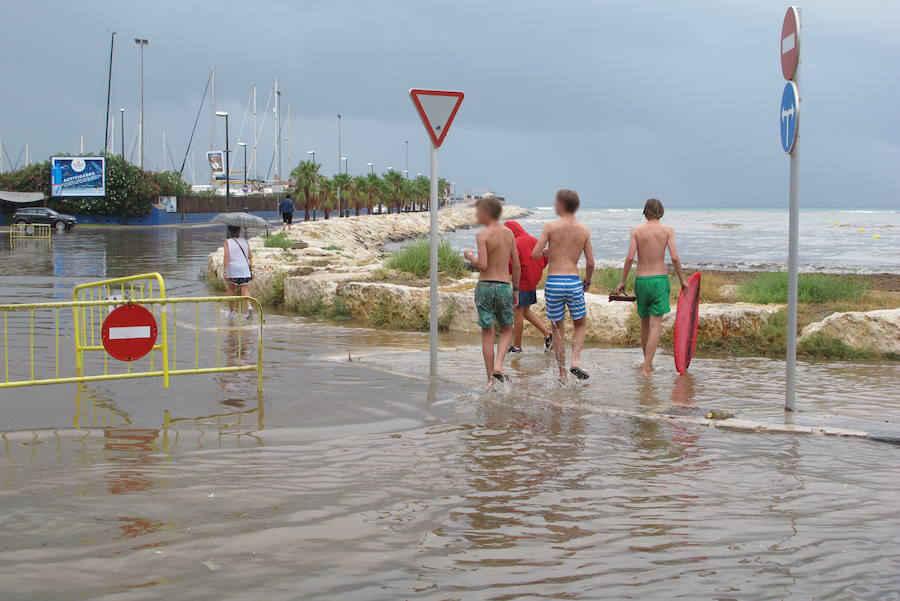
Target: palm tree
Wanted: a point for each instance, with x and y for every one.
(394, 181)
(341, 183)
(443, 191)
(326, 195)
(306, 175)
(422, 190)
(374, 189)
(359, 187)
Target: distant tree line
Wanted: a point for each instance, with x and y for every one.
(389, 192)
(129, 190)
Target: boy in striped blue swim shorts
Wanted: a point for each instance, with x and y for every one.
(566, 240)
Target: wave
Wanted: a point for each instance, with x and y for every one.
(543, 208)
(884, 212)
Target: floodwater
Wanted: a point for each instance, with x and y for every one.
(352, 478)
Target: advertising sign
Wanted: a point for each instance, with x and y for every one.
(216, 160)
(77, 176)
(169, 203)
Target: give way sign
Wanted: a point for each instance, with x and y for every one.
(437, 108)
(128, 332)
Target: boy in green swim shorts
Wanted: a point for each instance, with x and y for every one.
(651, 287)
(495, 296)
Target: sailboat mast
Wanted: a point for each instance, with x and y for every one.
(112, 41)
(290, 160)
(255, 135)
(277, 132)
(212, 111)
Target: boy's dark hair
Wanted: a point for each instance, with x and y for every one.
(569, 200)
(492, 205)
(234, 231)
(653, 209)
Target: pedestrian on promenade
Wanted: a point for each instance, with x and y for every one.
(532, 272)
(237, 268)
(287, 211)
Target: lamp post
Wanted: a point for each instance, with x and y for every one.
(406, 171)
(244, 144)
(227, 164)
(339, 143)
(141, 42)
(372, 168)
(313, 153)
(122, 132)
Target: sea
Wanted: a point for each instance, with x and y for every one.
(831, 240)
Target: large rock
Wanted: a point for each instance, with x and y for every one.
(319, 286)
(877, 331)
(723, 320)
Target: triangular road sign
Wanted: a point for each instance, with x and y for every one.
(437, 109)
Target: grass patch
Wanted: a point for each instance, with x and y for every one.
(606, 279)
(216, 285)
(414, 259)
(771, 287)
(333, 247)
(274, 295)
(279, 240)
(819, 345)
(317, 308)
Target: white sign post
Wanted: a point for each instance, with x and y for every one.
(789, 114)
(437, 109)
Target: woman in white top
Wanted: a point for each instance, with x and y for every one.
(237, 272)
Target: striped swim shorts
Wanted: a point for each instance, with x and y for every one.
(561, 291)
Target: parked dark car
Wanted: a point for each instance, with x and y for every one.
(44, 215)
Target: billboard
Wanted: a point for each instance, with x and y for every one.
(216, 160)
(77, 176)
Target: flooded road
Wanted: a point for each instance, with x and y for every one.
(352, 478)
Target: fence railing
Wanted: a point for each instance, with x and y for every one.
(213, 339)
(30, 231)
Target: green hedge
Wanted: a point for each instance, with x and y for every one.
(129, 190)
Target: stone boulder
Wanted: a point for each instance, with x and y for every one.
(877, 331)
(723, 320)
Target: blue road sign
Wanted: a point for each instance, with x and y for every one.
(245, 188)
(787, 120)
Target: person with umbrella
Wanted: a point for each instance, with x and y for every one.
(237, 267)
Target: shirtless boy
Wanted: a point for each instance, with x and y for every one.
(567, 240)
(651, 286)
(495, 297)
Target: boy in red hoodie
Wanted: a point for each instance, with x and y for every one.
(532, 271)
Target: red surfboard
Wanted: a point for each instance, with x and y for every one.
(686, 323)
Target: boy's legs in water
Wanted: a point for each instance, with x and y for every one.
(645, 330)
(654, 327)
(559, 346)
(536, 322)
(518, 326)
(487, 350)
(578, 340)
(506, 333)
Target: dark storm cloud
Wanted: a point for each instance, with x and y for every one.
(620, 100)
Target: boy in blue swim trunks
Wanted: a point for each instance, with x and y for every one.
(566, 239)
(651, 286)
(495, 296)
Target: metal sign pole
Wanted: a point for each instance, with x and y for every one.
(790, 391)
(433, 313)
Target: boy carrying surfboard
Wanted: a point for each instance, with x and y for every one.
(651, 287)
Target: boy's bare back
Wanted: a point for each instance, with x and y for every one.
(497, 243)
(651, 239)
(567, 239)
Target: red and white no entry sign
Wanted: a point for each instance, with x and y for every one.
(790, 43)
(129, 332)
(437, 108)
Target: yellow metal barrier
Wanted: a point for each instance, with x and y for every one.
(31, 231)
(39, 324)
(135, 288)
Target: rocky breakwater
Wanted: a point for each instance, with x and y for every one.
(874, 331)
(339, 246)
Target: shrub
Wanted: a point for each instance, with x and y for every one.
(274, 294)
(279, 240)
(415, 258)
(812, 288)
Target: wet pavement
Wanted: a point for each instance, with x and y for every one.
(351, 477)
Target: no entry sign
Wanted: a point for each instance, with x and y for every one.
(129, 332)
(437, 109)
(790, 43)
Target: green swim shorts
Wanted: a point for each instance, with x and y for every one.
(494, 301)
(652, 292)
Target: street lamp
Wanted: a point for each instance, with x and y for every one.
(141, 42)
(372, 168)
(244, 144)
(122, 133)
(346, 165)
(406, 171)
(340, 158)
(227, 163)
(313, 153)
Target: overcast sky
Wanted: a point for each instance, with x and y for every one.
(619, 100)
